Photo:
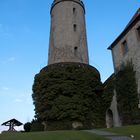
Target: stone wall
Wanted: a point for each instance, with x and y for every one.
(68, 42)
(133, 54)
(119, 61)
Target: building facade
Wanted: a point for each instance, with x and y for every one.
(125, 49)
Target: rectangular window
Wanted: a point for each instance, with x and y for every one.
(75, 50)
(138, 33)
(74, 27)
(74, 9)
(124, 47)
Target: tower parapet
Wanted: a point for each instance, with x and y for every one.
(68, 41)
(77, 1)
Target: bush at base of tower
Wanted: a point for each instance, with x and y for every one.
(69, 96)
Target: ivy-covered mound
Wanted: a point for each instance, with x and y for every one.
(67, 96)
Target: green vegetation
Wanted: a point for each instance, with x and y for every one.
(108, 91)
(27, 127)
(64, 93)
(127, 130)
(36, 126)
(33, 126)
(127, 97)
(58, 135)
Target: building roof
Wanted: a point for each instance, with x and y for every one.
(108, 80)
(16, 122)
(132, 22)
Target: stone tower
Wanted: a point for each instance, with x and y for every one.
(64, 91)
(68, 41)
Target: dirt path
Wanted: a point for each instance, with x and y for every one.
(109, 135)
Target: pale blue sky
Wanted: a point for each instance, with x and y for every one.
(24, 36)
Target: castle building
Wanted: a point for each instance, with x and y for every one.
(127, 45)
(68, 41)
(64, 91)
(126, 48)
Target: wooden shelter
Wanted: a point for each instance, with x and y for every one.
(12, 123)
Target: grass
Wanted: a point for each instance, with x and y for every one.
(127, 130)
(52, 135)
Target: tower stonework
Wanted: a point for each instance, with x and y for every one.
(68, 41)
(65, 90)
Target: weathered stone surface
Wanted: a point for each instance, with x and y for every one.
(76, 125)
(133, 54)
(68, 41)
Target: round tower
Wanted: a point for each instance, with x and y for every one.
(64, 92)
(68, 41)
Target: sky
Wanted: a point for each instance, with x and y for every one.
(24, 39)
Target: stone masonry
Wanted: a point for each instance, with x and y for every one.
(68, 41)
(133, 54)
(126, 48)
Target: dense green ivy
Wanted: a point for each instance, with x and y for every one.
(108, 91)
(69, 92)
(127, 95)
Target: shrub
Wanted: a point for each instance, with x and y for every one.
(36, 126)
(67, 92)
(27, 127)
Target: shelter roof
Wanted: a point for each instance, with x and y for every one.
(16, 122)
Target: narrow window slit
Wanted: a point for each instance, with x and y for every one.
(75, 50)
(138, 33)
(74, 27)
(74, 9)
(124, 47)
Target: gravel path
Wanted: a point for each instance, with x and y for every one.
(111, 136)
